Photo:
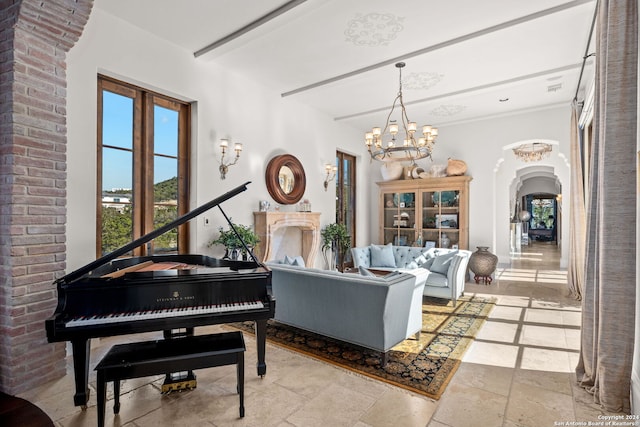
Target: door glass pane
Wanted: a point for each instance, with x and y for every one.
(117, 120)
(117, 199)
(165, 207)
(165, 131)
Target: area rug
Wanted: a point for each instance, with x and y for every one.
(424, 366)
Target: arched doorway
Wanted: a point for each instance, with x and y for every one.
(514, 180)
(539, 211)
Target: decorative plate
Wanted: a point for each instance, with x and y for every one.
(406, 198)
(445, 198)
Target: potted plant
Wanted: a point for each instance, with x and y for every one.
(335, 239)
(233, 246)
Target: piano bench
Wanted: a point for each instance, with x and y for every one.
(142, 359)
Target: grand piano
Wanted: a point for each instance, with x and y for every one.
(116, 296)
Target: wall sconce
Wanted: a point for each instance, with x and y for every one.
(224, 167)
(331, 174)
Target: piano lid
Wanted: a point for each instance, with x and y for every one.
(155, 233)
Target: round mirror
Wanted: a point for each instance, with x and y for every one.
(285, 179)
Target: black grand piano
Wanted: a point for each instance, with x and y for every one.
(116, 296)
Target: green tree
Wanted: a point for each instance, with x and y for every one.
(117, 228)
(117, 223)
(163, 215)
(166, 190)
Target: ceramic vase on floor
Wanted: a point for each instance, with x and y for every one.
(483, 263)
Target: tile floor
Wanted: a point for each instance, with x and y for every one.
(519, 372)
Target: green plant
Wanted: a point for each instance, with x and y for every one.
(336, 238)
(230, 240)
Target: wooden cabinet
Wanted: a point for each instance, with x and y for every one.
(425, 212)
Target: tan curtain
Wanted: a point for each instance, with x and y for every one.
(608, 304)
(577, 223)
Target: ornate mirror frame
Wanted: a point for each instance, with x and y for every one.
(273, 182)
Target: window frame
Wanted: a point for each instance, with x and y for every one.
(143, 160)
(341, 194)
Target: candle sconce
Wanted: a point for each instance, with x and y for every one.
(224, 167)
(331, 174)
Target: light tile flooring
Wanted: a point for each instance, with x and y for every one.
(519, 372)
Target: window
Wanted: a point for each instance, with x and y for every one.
(346, 194)
(143, 150)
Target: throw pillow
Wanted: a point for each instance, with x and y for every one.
(382, 256)
(441, 262)
(418, 261)
(428, 263)
(297, 261)
(364, 272)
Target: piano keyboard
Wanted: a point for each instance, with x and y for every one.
(162, 313)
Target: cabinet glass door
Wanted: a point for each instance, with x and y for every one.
(440, 219)
(399, 218)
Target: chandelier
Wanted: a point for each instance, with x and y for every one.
(407, 148)
(532, 152)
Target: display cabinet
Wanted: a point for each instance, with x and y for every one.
(430, 212)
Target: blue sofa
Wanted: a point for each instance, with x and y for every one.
(447, 268)
(372, 312)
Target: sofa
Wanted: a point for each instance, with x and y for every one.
(446, 268)
(369, 311)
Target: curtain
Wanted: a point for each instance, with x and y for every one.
(608, 304)
(577, 223)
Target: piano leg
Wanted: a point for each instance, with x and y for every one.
(261, 339)
(81, 348)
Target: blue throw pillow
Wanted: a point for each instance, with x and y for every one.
(442, 262)
(297, 261)
(428, 263)
(382, 256)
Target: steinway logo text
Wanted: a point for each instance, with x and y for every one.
(176, 297)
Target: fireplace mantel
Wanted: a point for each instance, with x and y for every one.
(267, 224)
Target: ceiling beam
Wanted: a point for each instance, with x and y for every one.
(250, 27)
(468, 90)
(442, 45)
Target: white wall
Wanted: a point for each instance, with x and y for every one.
(225, 105)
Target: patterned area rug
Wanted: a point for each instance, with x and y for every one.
(425, 366)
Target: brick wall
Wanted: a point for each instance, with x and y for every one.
(34, 39)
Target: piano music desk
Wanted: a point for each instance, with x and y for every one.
(149, 358)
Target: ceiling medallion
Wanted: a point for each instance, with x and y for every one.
(422, 80)
(448, 110)
(532, 152)
(373, 29)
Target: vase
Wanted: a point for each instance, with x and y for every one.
(391, 171)
(445, 242)
(456, 167)
(483, 263)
